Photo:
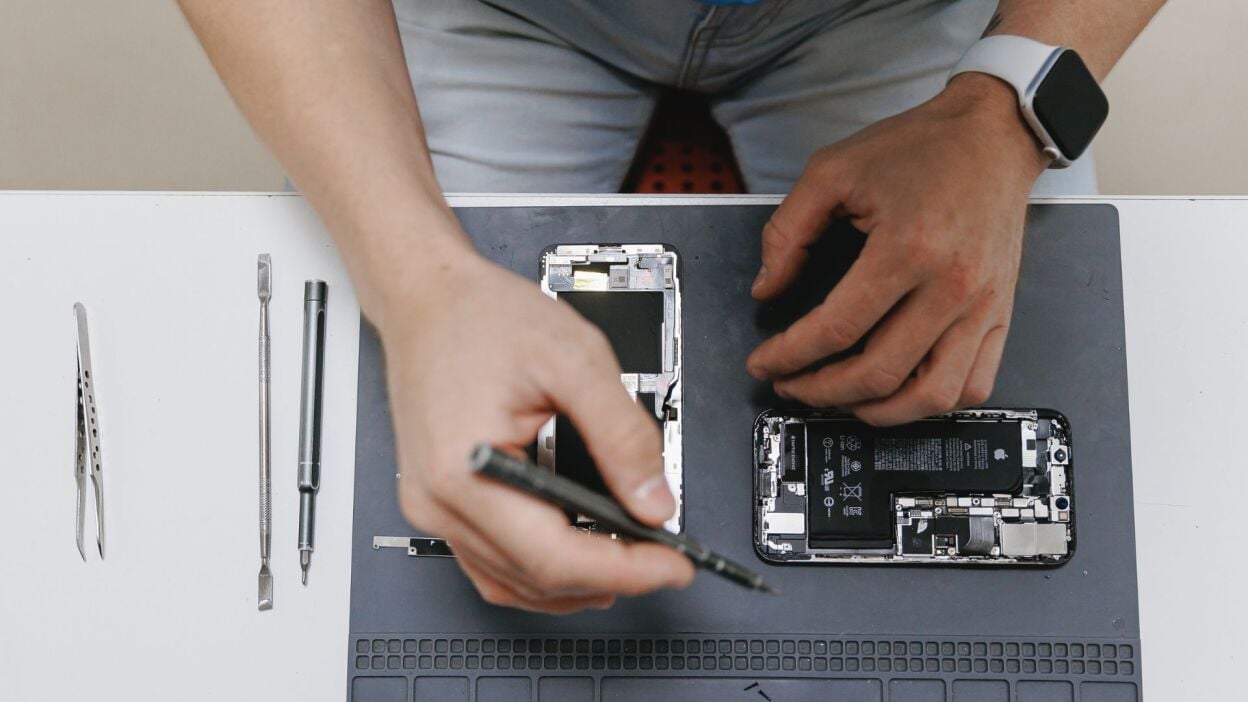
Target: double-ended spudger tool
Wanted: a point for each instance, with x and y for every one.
(531, 478)
(264, 290)
(315, 295)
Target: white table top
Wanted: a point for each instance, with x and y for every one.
(169, 285)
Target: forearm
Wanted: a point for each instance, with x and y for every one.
(1100, 30)
(326, 87)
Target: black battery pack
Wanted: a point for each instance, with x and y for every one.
(853, 468)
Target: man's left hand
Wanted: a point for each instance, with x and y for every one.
(941, 192)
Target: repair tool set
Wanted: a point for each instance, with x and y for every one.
(87, 459)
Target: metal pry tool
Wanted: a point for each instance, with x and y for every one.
(87, 438)
(264, 290)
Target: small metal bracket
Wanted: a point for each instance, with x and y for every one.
(415, 545)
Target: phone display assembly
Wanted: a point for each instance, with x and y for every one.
(979, 487)
(632, 293)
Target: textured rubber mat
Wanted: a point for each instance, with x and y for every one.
(419, 631)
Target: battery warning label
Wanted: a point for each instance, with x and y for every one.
(854, 468)
(918, 454)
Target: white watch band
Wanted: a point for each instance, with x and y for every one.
(1023, 63)
(1019, 61)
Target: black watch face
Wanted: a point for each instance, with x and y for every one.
(1070, 105)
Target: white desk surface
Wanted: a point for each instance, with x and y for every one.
(169, 284)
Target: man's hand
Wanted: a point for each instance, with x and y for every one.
(941, 192)
(487, 357)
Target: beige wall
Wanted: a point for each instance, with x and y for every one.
(116, 94)
(1178, 122)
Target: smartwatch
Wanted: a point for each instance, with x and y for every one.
(1057, 94)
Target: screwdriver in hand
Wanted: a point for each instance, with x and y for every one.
(562, 492)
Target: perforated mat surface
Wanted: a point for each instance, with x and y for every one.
(419, 631)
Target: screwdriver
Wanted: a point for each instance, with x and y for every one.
(315, 294)
(531, 478)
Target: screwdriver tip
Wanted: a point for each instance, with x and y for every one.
(305, 574)
(768, 589)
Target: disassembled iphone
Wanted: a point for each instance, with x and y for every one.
(979, 487)
(632, 293)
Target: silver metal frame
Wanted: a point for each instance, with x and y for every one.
(667, 384)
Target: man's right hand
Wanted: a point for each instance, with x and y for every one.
(484, 356)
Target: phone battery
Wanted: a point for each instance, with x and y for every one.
(853, 469)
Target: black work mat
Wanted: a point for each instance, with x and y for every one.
(419, 631)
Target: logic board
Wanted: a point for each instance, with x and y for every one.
(978, 487)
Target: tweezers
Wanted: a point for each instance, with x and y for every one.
(87, 444)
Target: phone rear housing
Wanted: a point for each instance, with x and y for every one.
(986, 487)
